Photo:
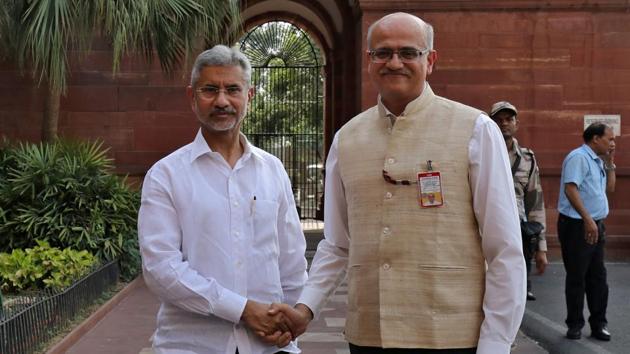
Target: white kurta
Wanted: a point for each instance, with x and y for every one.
(212, 237)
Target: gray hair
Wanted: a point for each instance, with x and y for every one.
(427, 29)
(220, 55)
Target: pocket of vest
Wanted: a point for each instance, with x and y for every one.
(444, 268)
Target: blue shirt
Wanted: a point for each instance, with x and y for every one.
(584, 168)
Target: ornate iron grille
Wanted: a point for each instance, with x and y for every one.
(286, 113)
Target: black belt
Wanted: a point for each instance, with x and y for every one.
(562, 216)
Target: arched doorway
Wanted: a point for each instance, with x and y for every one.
(286, 113)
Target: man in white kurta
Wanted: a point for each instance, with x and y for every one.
(219, 232)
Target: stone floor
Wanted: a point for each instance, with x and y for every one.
(128, 327)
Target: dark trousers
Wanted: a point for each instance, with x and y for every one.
(586, 273)
(529, 248)
(355, 349)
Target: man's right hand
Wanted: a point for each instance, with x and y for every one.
(298, 317)
(541, 261)
(271, 328)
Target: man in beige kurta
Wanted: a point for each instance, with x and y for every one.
(420, 214)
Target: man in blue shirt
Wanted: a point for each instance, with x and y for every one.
(588, 173)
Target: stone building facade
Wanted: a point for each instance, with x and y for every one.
(555, 60)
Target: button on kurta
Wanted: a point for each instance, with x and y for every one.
(386, 266)
(388, 195)
(391, 160)
(386, 230)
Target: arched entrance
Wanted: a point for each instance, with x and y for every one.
(286, 113)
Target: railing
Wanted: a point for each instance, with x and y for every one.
(30, 320)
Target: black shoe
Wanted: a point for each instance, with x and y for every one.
(601, 334)
(574, 333)
(531, 296)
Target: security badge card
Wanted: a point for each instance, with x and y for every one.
(430, 188)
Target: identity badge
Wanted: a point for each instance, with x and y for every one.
(430, 188)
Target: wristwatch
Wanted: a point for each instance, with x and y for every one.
(610, 167)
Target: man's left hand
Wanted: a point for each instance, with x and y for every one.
(609, 156)
(541, 261)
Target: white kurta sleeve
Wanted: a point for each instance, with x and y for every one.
(495, 208)
(331, 260)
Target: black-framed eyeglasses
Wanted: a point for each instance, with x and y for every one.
(406, 54)
(210, 92)
(404, 182)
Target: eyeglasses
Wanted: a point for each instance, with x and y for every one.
(406, 55)
(211, 92)
(404, 182)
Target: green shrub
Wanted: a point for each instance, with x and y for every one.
(65, 194)
(43, 267)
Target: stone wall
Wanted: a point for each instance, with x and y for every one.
(555, 60)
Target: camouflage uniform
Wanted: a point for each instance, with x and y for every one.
(528, 190)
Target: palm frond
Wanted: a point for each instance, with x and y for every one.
(171, 30)
(40, 35)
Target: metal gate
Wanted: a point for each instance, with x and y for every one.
(285, 117)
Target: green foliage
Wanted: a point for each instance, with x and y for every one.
(43, 267)
(171, 28)
(39, 34)
(63, 193)
(287, 100)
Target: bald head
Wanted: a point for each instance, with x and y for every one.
(403, 18)
(399, 79)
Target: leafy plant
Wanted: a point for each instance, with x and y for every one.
(65, 194)
(43, 267)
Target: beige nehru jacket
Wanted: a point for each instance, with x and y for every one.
(416, 275)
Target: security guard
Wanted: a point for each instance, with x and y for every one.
(529, 195)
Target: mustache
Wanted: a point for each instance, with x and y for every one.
(228, 110)
(386, 71)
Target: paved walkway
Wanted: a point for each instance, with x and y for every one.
(544, 318)
(128, 327)
(124, 330)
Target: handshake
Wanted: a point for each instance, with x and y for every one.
(276, 324)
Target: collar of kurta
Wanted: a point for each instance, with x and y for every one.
(200, 147)
(412, 107)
